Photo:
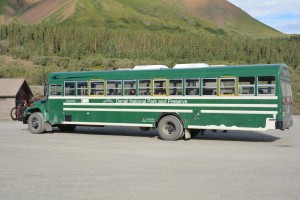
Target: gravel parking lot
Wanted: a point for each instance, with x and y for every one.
(125, 163)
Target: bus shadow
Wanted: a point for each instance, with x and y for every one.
(242, 136)
(111, 131)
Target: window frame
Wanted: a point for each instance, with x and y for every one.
(209, 87)
(192, 87)
(227, 87)
(130, 88)
(164, 89)
(90, 88)
(61, 89)
(246, 86)
(145, 88)
(71, 88)
(266, 85)
(169, 87)
(84, 89)
(119, 89)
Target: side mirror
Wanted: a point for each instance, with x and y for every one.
(46, 90)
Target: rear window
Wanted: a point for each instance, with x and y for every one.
(266, 85)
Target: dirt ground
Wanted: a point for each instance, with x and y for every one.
(126, 163)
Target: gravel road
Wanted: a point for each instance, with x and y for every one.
(125, 163)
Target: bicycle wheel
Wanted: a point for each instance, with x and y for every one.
(14, 113)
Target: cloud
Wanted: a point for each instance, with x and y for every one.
(281, 15)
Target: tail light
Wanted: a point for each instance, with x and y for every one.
(287, 101)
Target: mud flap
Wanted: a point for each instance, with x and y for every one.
(48, 127)
(187, 134)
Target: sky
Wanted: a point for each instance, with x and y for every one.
(283, 15)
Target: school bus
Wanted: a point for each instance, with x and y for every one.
(179, 101)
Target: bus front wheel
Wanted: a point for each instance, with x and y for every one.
(36, 124)
(170, 128)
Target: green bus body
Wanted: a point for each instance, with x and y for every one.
(219, 100)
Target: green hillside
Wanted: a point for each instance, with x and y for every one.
(3, 3)
(110, 34)
(135, 15)
(173, 16)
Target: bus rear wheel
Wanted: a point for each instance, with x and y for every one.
(170, 128)
(36, 124)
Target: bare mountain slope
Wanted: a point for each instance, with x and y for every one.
(42, 10)
(216, 16)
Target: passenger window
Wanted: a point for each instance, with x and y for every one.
(55, 90)
(227, 86)
(192, 86)
(69, 88)
(130, 87)
(144, 87)
(175, 87)
(246, 86)
(159, 87)
(266, 85)
(114, 88)
(82, 88)
(209, 86)
(97, 88)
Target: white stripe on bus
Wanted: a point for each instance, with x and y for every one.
(180, 105)
(238, 112)
(127, 110)
(107, 124)
(227, 128)
(169, 97)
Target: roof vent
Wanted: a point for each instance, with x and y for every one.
(190, 65)
(123, 69)
(149, 67)
(218, 65)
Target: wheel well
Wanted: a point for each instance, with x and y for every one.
(165, 114)
(30, 112)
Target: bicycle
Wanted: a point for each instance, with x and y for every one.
(16, 113)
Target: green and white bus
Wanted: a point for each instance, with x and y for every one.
(178, 102)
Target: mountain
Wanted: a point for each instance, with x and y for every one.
(213, 16)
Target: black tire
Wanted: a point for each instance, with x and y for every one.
(66, 128)
(13, 114)
(170, 128)
(36, 124)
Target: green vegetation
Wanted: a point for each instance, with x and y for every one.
(2, 4)
(72, 48)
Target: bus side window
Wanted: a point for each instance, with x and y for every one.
(97, 88)
(82, 88)
(192, 86)
(129, 87)
(227, 86)
(55, 90)
(266, 85)
(69, 88)
(144, 87)
(175, 87)
(159, 87)
(209, 86)
(114, 87)
(246, 86)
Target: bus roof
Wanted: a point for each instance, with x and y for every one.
(213, 71)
